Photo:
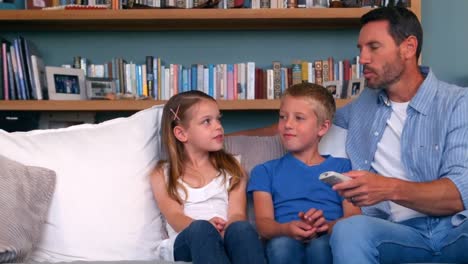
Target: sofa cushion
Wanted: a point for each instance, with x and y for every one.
(25, 194)
(103, 207)
(255, 149)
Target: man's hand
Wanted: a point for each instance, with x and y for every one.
(366, 188)
(314, 218)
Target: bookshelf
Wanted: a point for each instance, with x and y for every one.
(133, 105)
(172, 20)
(185, 19)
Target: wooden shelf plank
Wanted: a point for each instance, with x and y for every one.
(180, 19)
(132, 105)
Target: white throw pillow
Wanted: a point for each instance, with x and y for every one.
(103, 207)
(334, 142)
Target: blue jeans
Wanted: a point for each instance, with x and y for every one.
(365, 239)
(201, 243)
(289, 250)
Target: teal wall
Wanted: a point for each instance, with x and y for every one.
(446, 39)
(445, 42)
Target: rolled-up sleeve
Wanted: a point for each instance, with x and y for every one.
(455, 156)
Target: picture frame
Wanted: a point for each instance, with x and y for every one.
(334, 87)
(65, 83)
(355, 87)
(100, 88)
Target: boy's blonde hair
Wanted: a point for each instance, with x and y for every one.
(323, 104)
(175, 112)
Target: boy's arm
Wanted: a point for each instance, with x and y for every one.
(237, 202)
(348, 210)
(171, 209)
(268, 227)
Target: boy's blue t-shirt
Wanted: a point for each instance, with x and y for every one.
(295, 187)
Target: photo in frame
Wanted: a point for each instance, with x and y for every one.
(355, 87)
(334, 87)
(65, 83)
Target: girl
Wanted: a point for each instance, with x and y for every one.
(200, 189)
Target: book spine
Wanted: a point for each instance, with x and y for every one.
(325, 71)
(305, 71)
(318, 72)
(250, 80)
(296, 72)
(149, 75)
(13, 92)
(4, 62)
(270, 89)
(230, 81)
(277, 79)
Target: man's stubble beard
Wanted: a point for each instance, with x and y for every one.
(392, 73)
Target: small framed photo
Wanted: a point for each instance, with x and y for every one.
(100, 88)
(334, 87)
(65, 83)
(355, 87)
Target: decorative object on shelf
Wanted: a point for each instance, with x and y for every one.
(334, 87)
(355, 87)
(403, 3)
(320, 3)
(336, 3)
(100, 88)
(38, 4)
(351, 3)
(65, 83)
(371, 3)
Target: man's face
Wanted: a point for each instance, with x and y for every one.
(380, 55)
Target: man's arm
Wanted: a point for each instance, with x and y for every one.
(438, 198)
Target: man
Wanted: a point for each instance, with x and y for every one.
(408, 143)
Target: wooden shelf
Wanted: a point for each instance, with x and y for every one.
(133, 105)
(180, 19)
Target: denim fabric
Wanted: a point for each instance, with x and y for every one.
(201, 243)
(286, 250)
(365, 239)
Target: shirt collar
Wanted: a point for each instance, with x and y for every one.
(424, 96)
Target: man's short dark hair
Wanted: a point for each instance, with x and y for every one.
(402, 24)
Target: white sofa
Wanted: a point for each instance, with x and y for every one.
(102, 208)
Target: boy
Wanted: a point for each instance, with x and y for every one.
(294, 210)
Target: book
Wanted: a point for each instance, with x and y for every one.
(3, 70)
(149, 75)
(29, 50)
(39, 77)
(318, 72)
(296, 72)
(277, 79)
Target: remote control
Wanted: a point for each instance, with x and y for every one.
(331, 178)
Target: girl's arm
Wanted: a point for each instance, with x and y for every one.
(237, 203)
(171, 209)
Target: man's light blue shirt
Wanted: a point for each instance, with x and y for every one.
(434, 141)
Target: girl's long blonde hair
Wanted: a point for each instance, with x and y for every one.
(175, 113)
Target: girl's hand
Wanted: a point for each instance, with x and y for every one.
(218, 223)
(314, 218)
(300, 230)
